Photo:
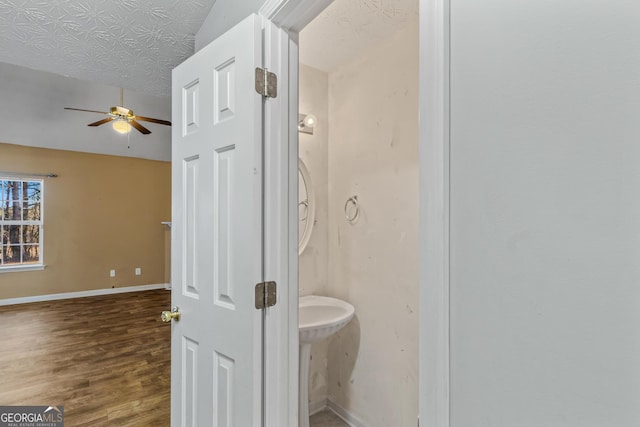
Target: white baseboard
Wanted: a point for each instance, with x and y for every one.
(317, 406)
(82, 294)
(347, 417)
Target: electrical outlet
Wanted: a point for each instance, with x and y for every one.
(112, 273)
(138, 271)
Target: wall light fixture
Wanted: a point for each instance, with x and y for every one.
(306, 122)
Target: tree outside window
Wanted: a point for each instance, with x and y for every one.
(20, 222)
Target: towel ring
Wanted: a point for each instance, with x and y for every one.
(304, 203)
(354, 201)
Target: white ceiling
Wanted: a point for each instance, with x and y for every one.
(32, 114)
(348, 27)
(128, 43)
(135, 43)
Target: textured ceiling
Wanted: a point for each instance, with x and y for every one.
(129, 43)
(347, 27)
(136, 43)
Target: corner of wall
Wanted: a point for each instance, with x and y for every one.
(314, 260)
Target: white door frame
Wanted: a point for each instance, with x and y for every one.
(281, 192)
(280, 239)
(281, 207)
(434, 329)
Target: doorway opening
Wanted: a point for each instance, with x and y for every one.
(358, 209)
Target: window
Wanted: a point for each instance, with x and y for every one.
(20, 223)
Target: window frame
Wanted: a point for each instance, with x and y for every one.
(21, 266)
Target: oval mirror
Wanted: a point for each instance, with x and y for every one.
(306, 206)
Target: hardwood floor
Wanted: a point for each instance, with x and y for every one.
(106, 359)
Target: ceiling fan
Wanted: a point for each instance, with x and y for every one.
(123, 118)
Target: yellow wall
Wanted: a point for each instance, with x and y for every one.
(101, 213)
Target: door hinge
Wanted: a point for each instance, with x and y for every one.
(266, 83)
(266, 295)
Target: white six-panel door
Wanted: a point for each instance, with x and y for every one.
(217, 215)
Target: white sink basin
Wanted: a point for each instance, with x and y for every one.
(318, 318)
(321, 317)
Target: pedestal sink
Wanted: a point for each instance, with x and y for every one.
(319, 318)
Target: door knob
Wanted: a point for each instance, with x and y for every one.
(166, 316)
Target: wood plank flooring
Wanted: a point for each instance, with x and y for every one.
(106, 358)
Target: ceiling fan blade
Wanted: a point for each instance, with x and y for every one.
(88, 111)
(138, 126)
(158, 121)
(101, 122)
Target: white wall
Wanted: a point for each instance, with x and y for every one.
(32, 113)
(373, 263)
(545, 213)
(314, 262)
(224, 14)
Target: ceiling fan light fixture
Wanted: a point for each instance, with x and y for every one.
(122, 119)
(121, 126)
